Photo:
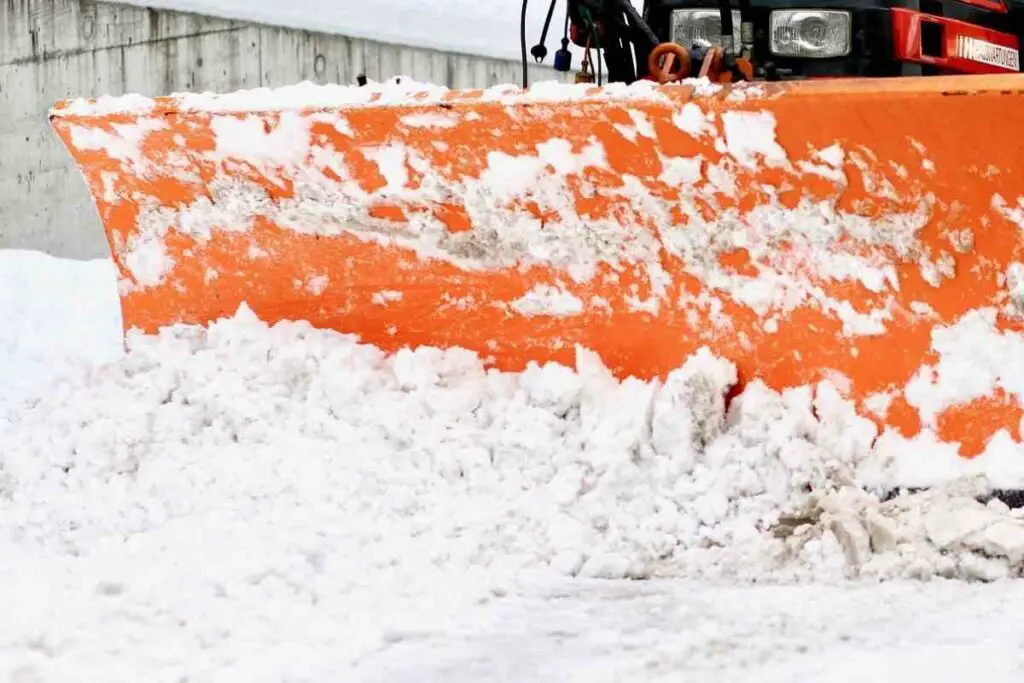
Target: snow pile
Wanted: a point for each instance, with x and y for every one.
(54, 314)
(286, 504)
(240, 454)
(945, 532)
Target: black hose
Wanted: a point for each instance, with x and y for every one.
(746, 43)
(638, 21)
(522, 44)
(725, 13)
(540, 50)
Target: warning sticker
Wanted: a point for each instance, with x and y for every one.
(978, 50)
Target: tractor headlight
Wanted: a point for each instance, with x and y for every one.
(810, 33)
(701, 27)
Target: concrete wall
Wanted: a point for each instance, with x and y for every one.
(52, 49)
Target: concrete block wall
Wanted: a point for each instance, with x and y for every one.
(54, 49)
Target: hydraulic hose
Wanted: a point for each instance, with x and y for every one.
(725, 12)
(522, 44)
(540, 50)
(638, 21)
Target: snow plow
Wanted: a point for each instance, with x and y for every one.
(867, 232)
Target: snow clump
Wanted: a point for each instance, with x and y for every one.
(290, 444)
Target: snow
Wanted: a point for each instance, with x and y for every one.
(663, 632)
(692, 119)
(488, 29)
(395, 91)
(752, 134)
(121, 142)
(272, 504)
(263, 99)
(974, 357)
(54, 315)
(548, 300)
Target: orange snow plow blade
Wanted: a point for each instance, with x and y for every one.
(864, 232)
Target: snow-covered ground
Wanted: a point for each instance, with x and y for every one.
(288, 505)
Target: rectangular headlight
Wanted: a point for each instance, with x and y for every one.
(701, 27)
(810, 33)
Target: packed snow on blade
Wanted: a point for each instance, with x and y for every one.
(863, 232)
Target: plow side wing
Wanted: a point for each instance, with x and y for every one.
(864, 232)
